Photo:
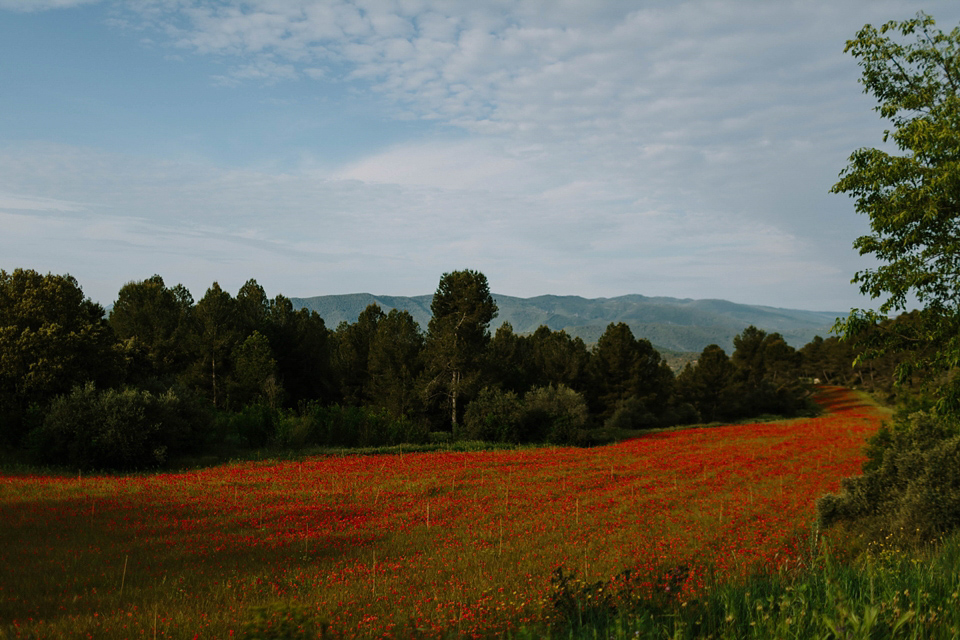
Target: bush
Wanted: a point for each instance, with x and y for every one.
(546, 414)
(562, 410)
(110, 429)
(632, 414)
(255, 424)
(185, 420)
(119, 429)
(336, 426)
(493, 416)
(910, 485)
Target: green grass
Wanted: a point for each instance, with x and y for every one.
(887, 592)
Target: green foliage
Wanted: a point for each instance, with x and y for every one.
(124, 429)
(555, 414)
(762, 377)
(508, 359)
(269, 374)
(891, 593)
(561, 410)
(631, 414)
(353, 355)
(911, 482)
(252, 308)
(301, 345)
(109, 429)
(153, 322)
(766, 373)
(254, 375)
(555, 358)
(340, 426)
(280, 621)
(51, 339)
(622, 367)
(395, 363)
(256, 425)
(216, 335)
(707, 385)
(912, 199)
(494, 416)
(457, 336)
(185, 418)
(912, 478)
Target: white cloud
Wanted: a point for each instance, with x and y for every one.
(303, 234)
(458, 164)
(579, 147)
(28, 6)
(14, 202)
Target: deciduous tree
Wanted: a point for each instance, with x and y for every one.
(153, 322)
(911, 196)
(51, 338)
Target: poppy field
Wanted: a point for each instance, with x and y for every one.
(429, 543)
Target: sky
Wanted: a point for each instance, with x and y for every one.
(571, 147)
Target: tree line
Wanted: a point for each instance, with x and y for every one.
(163, 375)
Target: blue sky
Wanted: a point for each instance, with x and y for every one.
(566, 147)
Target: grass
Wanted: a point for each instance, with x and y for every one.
(888, 592)
(429, 543)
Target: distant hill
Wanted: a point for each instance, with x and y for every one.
(671, 324)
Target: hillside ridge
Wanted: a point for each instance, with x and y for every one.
(671, 324)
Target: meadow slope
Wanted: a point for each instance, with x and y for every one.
(436, 542)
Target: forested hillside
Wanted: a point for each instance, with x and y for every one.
(674, 324)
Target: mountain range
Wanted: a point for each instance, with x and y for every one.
(671, 324)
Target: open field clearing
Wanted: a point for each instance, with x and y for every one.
(440, 542)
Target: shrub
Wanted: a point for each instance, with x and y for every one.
(338, 426)
(632, 413)
(911, 482)
(562, 410)
(294, 430)
(494, 416)
(109, 429)
(255, 424)
(555, 414)
(185, 420)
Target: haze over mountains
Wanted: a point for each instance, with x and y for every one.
(672, 324)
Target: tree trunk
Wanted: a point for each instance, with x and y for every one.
(213, 368)
(454, 388)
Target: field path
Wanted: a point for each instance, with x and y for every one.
(440, 542)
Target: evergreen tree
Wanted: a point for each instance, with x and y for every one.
(353, 354)
(457, 337)
(216, 335)
(395, 363)
(624, 369)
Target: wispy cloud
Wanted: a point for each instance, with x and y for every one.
(305, 234)
(28, 6)
(672, 148)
